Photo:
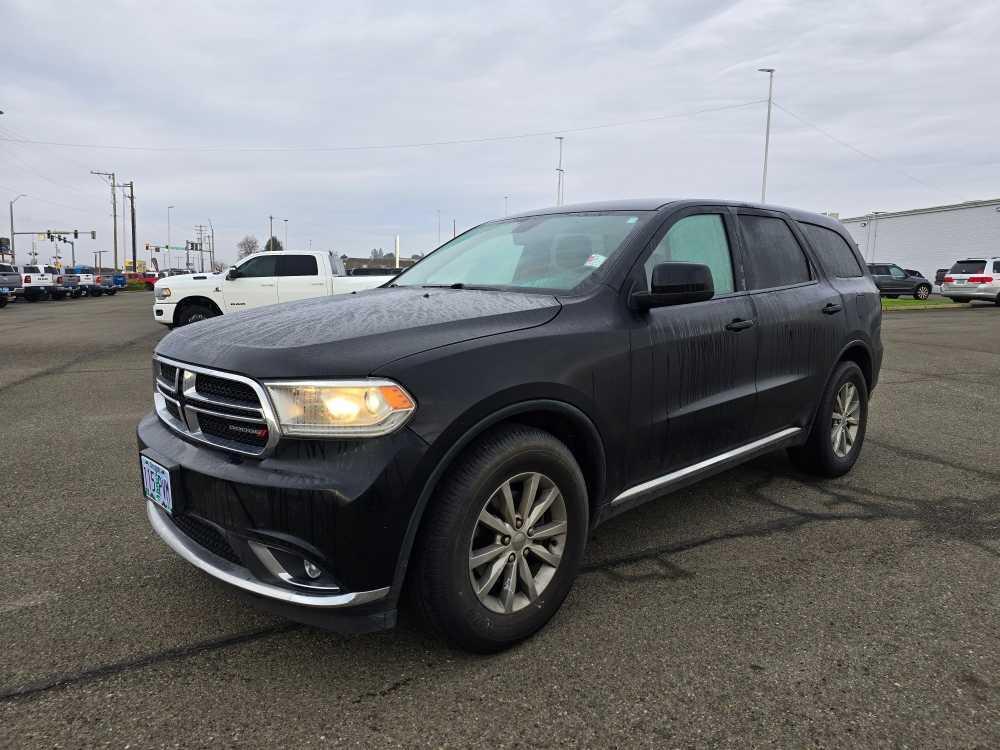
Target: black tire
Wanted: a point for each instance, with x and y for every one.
(439, 583)
(3, 301)
(31, 298)
(817, 456)
(95, 292)
(922, 292)
(193, 312)
(960, 301)
(892, 296)
(997, 301)
(111, 292)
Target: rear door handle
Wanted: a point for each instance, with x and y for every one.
(832, 308)
(738, 324)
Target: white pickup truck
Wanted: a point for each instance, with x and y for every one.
(40, 282)
(257, 280)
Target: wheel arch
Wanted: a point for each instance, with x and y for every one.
(565, 421)
(197, 300)
(856, 351)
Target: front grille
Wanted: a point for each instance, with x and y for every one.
(207, 536)
(174, 411)
(226, 411)
(249, 433)
(228, 389)
(168, 374)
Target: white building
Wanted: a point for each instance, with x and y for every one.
(926, 239)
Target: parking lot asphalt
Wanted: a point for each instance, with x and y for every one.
(759, 607)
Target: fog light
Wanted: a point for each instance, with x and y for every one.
(311, 570)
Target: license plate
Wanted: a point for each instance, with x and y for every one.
(156, 484)
(959, 281)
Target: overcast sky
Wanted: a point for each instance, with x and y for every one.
(912, 84)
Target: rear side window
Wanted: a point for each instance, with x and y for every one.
(297, 265)
(834, 253)
(968, 266)
(697, 239)
(31, 269)
(996, 266)
(773, 253)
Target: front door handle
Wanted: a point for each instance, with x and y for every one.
(738, 324)
(832, 308)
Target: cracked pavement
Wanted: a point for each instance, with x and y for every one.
(760, 607)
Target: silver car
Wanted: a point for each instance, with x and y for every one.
(973, 278)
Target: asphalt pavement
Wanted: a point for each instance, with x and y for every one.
(758, 608)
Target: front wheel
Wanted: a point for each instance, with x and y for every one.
(922, 292)
(193, 312)
(95, 292)
(502, 541)
(838, 432)
(3, 301)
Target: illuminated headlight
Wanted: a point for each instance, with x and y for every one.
(340, 408)
(161, 292)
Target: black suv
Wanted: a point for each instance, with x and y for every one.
(892, 281)
(459, 431)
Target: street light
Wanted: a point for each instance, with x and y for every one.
(286, 234)
(767, 131)
(22, 195)
(169, 208)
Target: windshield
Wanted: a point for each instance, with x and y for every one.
(969, 266)
(557, 252)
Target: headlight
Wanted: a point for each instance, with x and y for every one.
(340, 408)
(161, 292)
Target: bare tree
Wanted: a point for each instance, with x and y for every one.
(247, 246)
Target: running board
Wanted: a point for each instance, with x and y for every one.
(694, 472)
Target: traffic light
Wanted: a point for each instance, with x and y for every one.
(48, 234)
(76, 234)
(93, 235)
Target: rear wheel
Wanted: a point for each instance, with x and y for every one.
(838, 432)
(92, 292)
(892, 296)
(960, 301)
(3, 301)
(922, 292)
(502, 542)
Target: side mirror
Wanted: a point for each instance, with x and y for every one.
(233, 273)
(676, 284)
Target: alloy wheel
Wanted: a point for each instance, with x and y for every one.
(518, 542)
(846, 419)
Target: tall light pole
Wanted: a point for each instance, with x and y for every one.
(12, 256)
(169, 208)
(286, 234)
(767, 131)
(270, 231)
(559, 173)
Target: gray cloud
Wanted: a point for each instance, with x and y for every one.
(912, 84)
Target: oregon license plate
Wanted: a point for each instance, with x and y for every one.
(156, 484)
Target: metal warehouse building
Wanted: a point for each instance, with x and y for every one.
(926, 239)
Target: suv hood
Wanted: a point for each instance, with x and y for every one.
(351, 335)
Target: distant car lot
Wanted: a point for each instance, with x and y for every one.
(759, 607)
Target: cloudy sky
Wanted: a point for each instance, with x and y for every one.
(234, 111)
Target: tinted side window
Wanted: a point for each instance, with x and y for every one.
(834, 252)
(297, 265)
(996, 266)
(697, 239)
(4, 268)
(262, 266)
(773, 252)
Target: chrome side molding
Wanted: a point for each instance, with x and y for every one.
(731, 456)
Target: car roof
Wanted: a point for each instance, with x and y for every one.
(655, 204)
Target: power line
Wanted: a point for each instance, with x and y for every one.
(858, 151)
(387, 146)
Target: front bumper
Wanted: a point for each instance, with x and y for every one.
(343, 506)
(163, 312)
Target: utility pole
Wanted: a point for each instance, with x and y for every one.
(114, 209)
(201, 245)
(270, 232)
(397, 251)
(169, 265)
(286, 234)
(559, 173)
(211, 257)
(13, 257)
(454, 232)
(767, 130)
(131, 203)
(98, 263)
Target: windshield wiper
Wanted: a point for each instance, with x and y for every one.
(456, 285)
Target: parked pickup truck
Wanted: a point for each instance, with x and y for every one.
(259, 279)
(88, 281)
(41, 282)
(10, 280)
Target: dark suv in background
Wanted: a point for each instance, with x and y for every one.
(459, 432)
(893, 281)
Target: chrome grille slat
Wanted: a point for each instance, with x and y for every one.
(184, 387)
